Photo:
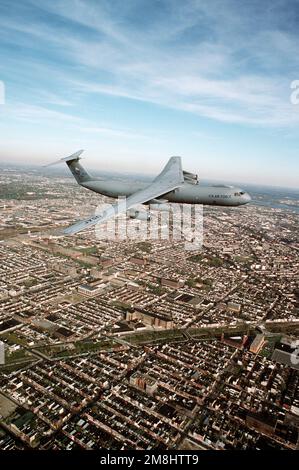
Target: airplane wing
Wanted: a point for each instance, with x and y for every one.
(170, 178)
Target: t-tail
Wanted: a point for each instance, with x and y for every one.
(80, 174)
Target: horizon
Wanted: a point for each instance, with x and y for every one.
(62, 170)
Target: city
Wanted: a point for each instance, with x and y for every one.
(128, 344)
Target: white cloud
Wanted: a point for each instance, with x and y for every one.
(207, 58)
(115, 133)
(40, 115)
(36, 114)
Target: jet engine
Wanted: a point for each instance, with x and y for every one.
(140, 215)
(190, 177)
(160, 207)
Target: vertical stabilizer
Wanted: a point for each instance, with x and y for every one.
(79, 173)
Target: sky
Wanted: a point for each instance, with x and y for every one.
(134, 82)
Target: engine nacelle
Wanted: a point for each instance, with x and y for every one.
(190, 177)
(160, 207)
(140, 215)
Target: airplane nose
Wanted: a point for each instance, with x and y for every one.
(246, 198)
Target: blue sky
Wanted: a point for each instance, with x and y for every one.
(134, 82)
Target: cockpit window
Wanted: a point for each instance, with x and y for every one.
(240, 193)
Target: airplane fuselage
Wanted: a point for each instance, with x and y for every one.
(171, 185)
(188, 193)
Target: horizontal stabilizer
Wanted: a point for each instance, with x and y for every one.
(74, 156)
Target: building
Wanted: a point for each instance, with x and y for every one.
(257, 343)
(138, 381)
(234, 307)
(65, 268)
(151, 385)
(149, 318)
(173, 283)
(106, 262)
(2, 353)
(139, 261)
(144, 382)
(287, 352)
(90, 290)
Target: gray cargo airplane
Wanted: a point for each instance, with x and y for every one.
(172, 185)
